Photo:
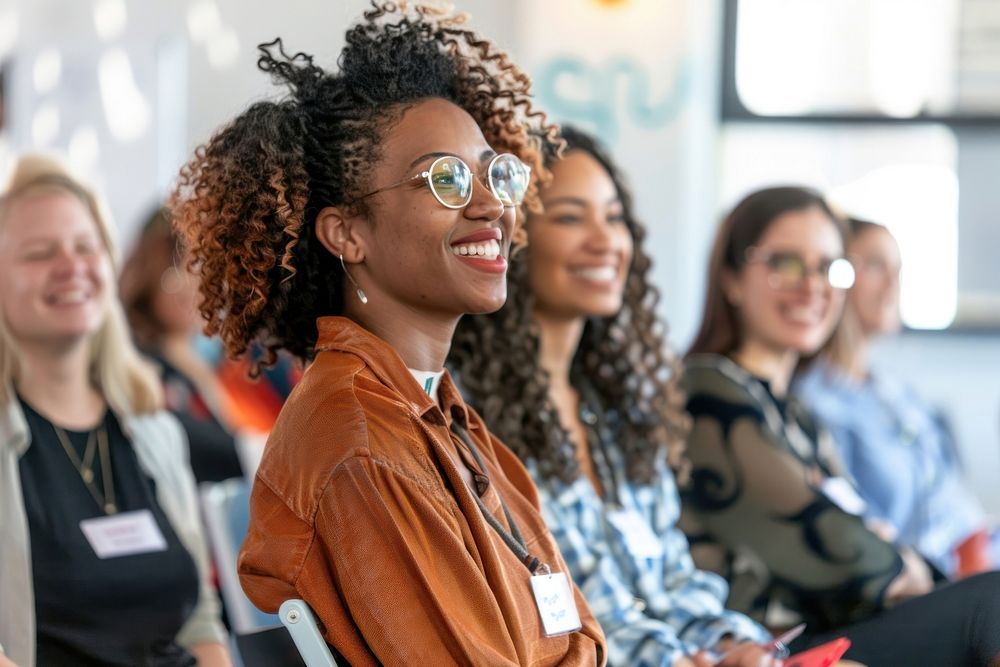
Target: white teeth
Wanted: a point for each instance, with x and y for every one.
(807, 315)
(598, 273)
(70, 297)
(489, 250)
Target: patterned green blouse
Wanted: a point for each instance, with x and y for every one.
(765, 506)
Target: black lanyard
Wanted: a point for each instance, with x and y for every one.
(514, 540)
(597, 440)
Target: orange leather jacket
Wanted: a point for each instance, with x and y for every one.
(359, 508)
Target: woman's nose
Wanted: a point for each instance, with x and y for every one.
(484, 205)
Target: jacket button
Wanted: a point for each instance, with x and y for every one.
(482, 483)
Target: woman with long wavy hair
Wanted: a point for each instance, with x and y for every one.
(102, 557)
(353, 223)
(573, 374)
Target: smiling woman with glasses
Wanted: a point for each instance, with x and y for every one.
(352, 224)
(767, 505)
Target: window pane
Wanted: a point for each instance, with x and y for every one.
(891, 57)
(902, 176)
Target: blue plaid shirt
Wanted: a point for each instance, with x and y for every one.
(653, 609)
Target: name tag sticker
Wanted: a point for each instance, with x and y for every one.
(843, 494)
(639, 537)
(556, 604)
(124, 534)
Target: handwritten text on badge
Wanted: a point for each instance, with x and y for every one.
(555, 602)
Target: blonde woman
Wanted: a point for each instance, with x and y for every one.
(102, 560)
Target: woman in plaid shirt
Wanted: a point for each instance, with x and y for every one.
(577, 382)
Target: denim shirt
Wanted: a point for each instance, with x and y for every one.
(901, 457)
(652, 602)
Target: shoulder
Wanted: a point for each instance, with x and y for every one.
(829, 394)
(713, 380)
(331, 403)
(157, 437)
(339, 413)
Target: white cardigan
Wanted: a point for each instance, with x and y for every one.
(161, 449)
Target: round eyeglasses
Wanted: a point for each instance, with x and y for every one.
(788, 270)
(450, 180)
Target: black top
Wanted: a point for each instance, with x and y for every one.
(213, 448)
(125, 610)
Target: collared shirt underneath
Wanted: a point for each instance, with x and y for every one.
(429, 381)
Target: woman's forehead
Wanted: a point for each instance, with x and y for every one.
(434, 126)
(46, 214)
(804, 230)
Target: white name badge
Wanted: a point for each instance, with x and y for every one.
(640, 540)
(124, 534)
(843, 494)
(556, 604)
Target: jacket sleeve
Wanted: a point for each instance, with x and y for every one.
(749, 491)
(204, 624)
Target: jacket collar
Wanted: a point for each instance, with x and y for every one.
(14, 432)
(341, 334)
(13, 426)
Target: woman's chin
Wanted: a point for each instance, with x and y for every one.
(488, 303)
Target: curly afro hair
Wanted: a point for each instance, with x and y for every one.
(246, 203)
(623, 359)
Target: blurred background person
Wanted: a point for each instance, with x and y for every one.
(87, 455)
(161, 302)
(767, 504)
(574, 375)
(896, 447)
(255, 401)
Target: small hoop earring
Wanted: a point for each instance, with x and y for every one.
(362, 297)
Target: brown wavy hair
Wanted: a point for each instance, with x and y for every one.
(623, 358)
(246, 203)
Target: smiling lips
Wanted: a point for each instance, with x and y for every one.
(606, 273)
(481, 250)
(804, 315)
(70, 297)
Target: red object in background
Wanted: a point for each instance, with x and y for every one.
(974, 554)
(254, 404)
(823, 655)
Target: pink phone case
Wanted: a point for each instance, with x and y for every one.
(820, 656)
